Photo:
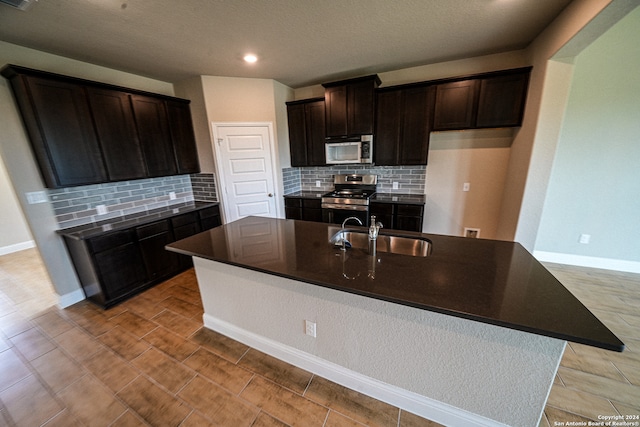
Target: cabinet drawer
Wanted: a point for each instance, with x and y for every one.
(152, 229)
(381, 208)
(184, 219)
(208, 212)
(292, 203)
(311, 203)
(409, 210)
(112, 240)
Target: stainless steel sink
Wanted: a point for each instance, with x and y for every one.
(412, 246)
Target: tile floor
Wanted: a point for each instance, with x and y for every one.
(148, 361)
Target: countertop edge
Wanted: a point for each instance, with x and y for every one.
(440, 310)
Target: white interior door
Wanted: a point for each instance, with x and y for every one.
(245, 169)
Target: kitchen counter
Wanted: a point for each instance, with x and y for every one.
(487, 281)
(470, 335)
(88, 231)
(409, 199)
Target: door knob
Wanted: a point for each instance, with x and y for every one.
(270, 194)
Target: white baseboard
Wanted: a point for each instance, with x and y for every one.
(587, 261)
(423, 406)
(71, 298)
(5, 250)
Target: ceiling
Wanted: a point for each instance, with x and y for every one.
(298, 42)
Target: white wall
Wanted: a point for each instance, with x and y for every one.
(20, 163)
(478, 157)
(594, 182)
(235, 99)
(14, 231)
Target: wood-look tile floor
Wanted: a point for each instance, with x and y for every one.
(149, 361)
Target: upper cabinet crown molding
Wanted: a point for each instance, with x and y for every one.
(84, 132)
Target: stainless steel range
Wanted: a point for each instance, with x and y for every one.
(349, 198)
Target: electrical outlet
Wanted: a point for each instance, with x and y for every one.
(310, 328)
(474, 233)
(395, 185)
(317, 183)
(172, 195)
(34, 197)
(585, 239)
(101, 209)
(466, 186)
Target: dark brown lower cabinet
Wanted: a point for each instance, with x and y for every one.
(399, 216)
(152, 239)
(303, 208)
(117, 265)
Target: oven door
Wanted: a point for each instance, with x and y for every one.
(337, 213)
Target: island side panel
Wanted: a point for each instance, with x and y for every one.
(500, 374)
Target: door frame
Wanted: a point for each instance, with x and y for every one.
(221, 179)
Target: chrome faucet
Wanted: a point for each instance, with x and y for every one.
(374, 229)
(342, 233)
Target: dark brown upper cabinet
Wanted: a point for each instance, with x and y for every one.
(482, 101)
(116, 131)
(154, 134)
(455, 105)
(350, 106)
(306, 132)
(501, 100)
(182, 136)
(84, 132)
(403, 124)
(58, 121)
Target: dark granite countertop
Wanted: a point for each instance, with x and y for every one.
(93, 229)
(408, 199)
(307, 194)
(413, 199)
(489, 281)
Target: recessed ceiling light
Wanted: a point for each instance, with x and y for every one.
(250, 58)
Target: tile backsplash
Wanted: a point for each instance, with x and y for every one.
(410, 179)
(126, 199)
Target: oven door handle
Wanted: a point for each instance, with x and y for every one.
(344, 207)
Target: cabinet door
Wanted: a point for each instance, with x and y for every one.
(360, 108)
(157, 260)
(210, 218)
(293, 208)
(297, 134)
(455, 105)
(182, 137)
(315, 128)
(116, 130)
(501, 101)
(118, 265)
(416, 126)
(383, 213)
(120, 270)
(336, 110)
(388, 127)
(312, 210)
(62, 133)
(154, 134)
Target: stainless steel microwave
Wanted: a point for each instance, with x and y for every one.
(349, 150)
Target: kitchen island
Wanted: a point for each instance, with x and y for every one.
(470, 335)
